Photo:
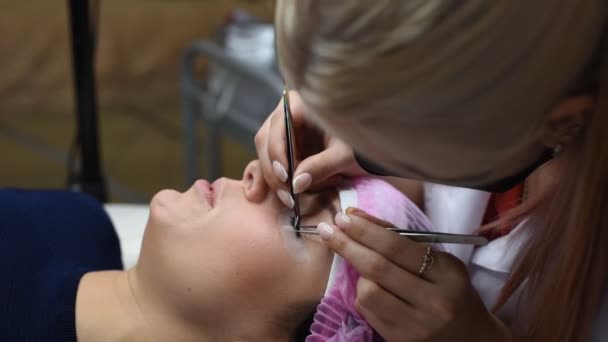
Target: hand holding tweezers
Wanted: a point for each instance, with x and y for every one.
(417, 236)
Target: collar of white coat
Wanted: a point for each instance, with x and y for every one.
(461, 211)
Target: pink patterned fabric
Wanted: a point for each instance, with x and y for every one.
(336, 319)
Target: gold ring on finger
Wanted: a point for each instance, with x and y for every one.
(427, 261)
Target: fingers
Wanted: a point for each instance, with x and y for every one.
(277, 140)
(271, 146)
(389, 315)
(391, 296)
(316, 168)
(366, 216)
(374, 266)
(322, 169)
(325, 160)
(269, 142)
(396, 320)
(400, 250)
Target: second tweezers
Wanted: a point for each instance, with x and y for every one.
(417, 236)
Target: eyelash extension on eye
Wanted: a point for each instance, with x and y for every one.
(292, 222)
(288, 220)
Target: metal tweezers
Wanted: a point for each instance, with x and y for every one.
(418, 236)
(291, 162)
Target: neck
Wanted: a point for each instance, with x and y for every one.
(113, 306)
(540, 180)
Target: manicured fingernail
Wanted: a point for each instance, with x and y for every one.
(325, 230)
(279, 171)
(302, 182)
(353, 210)
(342, 220)
(286, 198)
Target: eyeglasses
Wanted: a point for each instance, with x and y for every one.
(500, 185)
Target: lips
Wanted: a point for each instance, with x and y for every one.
(206, 191)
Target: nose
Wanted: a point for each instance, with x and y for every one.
(255, 185)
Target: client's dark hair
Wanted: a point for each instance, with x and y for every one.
(296, 319)
(303, 328)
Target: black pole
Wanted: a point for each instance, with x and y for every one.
(90, 179)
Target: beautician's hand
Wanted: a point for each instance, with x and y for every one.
(321, 160)
(439, 305)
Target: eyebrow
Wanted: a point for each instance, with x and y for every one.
(324, 203)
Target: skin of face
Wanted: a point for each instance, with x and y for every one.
(219, 257)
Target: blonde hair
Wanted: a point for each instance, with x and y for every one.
(395, 64)
(381, 65)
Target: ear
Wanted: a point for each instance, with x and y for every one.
(566, 120)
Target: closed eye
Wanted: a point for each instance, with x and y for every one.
(311, 205)
(292, 222)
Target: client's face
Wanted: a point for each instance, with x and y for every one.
(221, 253)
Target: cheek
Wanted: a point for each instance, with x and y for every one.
(270, 261)
(251, 247)
(317, 270)
(231, 257)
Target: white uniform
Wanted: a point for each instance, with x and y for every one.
(460, 211)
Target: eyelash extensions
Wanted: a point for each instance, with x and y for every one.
(293, 224)
(287, 221)
(290, 221)
(287, 231)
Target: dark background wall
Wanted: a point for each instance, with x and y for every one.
(139, 49)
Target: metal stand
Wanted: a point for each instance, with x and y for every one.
(90, 179)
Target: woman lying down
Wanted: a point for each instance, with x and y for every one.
(217, 263)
